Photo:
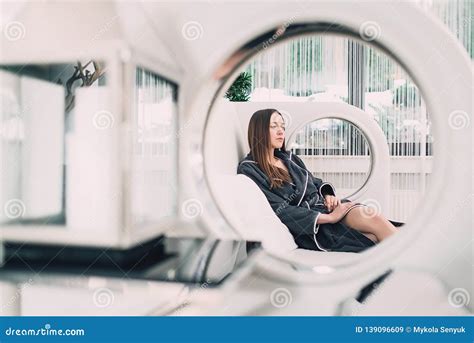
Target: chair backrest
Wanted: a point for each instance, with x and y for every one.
(248, 211)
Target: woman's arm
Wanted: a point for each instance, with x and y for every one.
(336, 215)
(326, 218)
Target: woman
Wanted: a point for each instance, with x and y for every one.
(309, 207)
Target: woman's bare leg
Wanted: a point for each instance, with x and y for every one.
(366, 220)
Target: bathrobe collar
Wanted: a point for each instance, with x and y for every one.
(300, 177)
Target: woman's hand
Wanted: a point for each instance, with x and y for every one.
(335, 215)
(331, 202)
(340, 211)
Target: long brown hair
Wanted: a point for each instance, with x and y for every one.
(260, 144)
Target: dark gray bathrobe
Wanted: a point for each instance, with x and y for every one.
(298, 205)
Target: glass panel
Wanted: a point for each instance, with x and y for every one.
(394, 101)
(456, 15)
(313, 68)
(189, 260)
(335, 151)
(154, 175)
(37, 106)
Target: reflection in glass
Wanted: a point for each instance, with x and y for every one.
(207, 262)
(37, 103)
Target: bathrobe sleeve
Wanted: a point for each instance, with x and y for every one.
(324, 188)
(299, 220)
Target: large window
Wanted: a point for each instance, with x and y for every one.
(312, 68)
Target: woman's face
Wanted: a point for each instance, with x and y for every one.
(277, 130)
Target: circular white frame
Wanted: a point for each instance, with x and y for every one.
(374, 136)
(372, 156)
(421, 52)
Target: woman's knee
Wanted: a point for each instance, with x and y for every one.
(362, 214)
(368, 212)
(377, 222)
(365, 217)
